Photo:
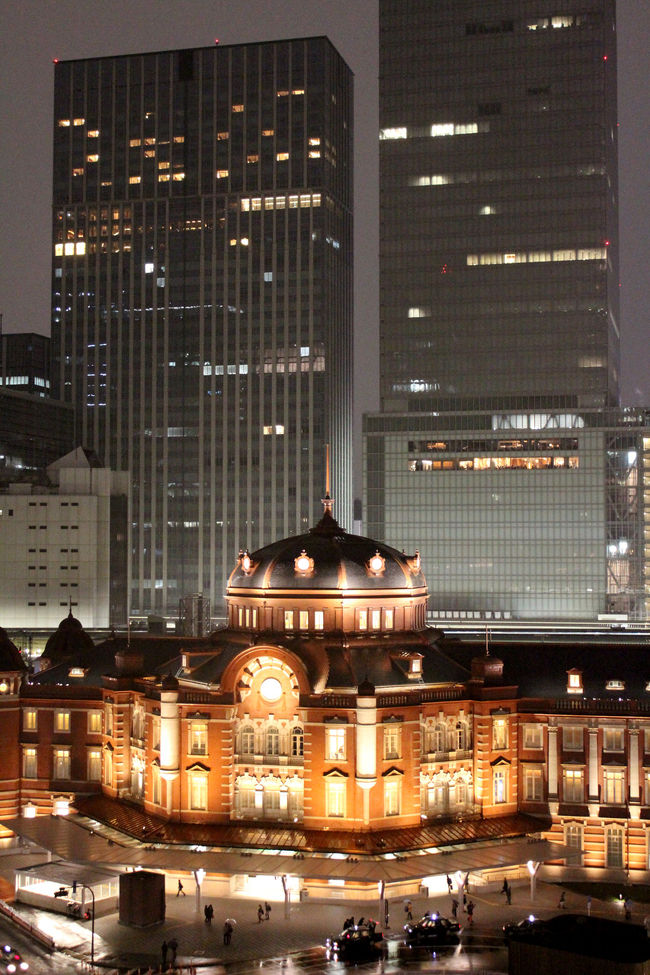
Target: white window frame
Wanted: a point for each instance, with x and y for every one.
(62, 721)
(500, 733)
(94, 765)
(198, 737)
(393, 795)
(335, 798)
(573, 738)
(392, 740)
(61, 764)
(614, 739)
(614, 787)
(30, 719)
(94, 722)
(198, 791)
(573, 785)
(533, 784)
(335, 743)
(30, 762)
(499, 785)
(533, 736)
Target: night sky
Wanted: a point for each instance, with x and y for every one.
(37, 31)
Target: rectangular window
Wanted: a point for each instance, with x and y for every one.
(61, 763)
(392, 796)
(288, 619)
(198, 791)
(613, 787)
(572, 738)
(335, 797)
(318, 619)
(392, 741)
(303, 619)
(108, 767)
(500, 733)
(199, 738)
(533, 784)
(389, 618)
(363, 619)
(533, 735)
(613, 739)
(614, 847)
(108, 715)
(62, 721)
(95, 722)
(94, 765)
(335, 744)
(30, 719)
(499, 785)
(574, 785)
(375, 619)
(29, 763)
(155, 784)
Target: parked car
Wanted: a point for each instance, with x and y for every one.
(527, 925)
(12, 961)
(432, 929)
(356, 942)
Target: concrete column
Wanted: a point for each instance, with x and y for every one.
(633, 762)
(170, 736)
(593, 796)
(366, 750)
(552, 763)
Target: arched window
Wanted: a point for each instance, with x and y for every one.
(438, 738)
(272, 740)
(297, 739)
(461, 736)
(247, 740)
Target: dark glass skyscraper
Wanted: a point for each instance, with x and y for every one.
(202, 294)
(498, 162)
(500, 452)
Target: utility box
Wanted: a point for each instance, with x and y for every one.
(142, 898)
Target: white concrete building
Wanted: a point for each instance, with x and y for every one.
(63, 545)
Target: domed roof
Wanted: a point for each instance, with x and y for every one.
(327, 558)
(69, 639)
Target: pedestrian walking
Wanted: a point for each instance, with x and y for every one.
(180, 890)
(163, 950)
(267, 911)
(227, 932)
(173, 944)
(504, 888)
(386, 914)
(589, 906)
(454, 907)
(508, 894)
(408, 908)
(470, 913)
(260, 913)
(562, 901)
(467, 881)
(210, 913)
(449, 884)
(206, 914)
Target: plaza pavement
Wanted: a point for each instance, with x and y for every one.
(122, 948)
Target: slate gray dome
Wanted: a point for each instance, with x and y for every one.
(327, 558)
(69, 639)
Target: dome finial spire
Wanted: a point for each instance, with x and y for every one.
(327, 501)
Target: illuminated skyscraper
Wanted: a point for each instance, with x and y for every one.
(202, 294)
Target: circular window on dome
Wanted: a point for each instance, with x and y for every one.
(271, 689)
(376, 564)
(303, 565)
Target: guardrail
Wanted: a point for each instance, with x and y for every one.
(29, 929)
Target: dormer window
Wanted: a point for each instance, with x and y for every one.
(246, 562)
(615, 685)
(415, 665)
(574, 682)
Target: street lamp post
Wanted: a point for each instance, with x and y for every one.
(63, 892)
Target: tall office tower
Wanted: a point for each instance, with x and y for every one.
(202, 294)
(498, 191)
(500, 449)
